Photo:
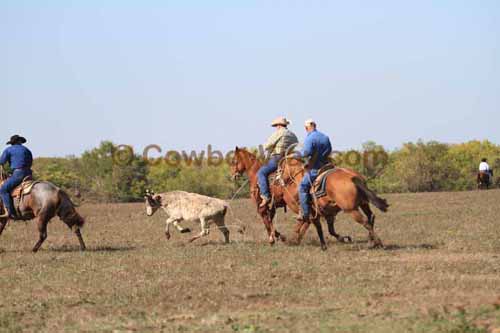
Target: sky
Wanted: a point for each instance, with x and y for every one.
(185, 74)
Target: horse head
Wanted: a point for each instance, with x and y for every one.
(241, 162)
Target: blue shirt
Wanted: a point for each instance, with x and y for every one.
(18, 156)
(317, 146)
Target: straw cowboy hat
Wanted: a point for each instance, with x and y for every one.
(310, 122)
(16, 139)
(280, 121)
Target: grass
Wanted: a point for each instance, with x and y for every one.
(440, 272)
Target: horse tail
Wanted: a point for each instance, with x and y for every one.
(67, 212)
(372, 197)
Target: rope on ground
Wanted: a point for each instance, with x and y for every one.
(241, 227)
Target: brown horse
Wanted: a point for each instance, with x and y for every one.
(346, 190)
(43, 203)
(483, 180)
(287, 196)
(247, 163)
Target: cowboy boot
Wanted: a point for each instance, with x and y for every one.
(265, 201)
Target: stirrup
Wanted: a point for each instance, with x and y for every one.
(4, 215)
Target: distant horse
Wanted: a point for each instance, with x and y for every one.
(483, 180)
(45, 201)
(346, 190)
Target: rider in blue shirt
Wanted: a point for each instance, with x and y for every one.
(20, 160)
(317, 148)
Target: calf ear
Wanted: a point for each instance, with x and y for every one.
(158, 198)
(236, 149)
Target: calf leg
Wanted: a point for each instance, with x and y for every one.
(204, 230)
(219, 221)
(170, 221)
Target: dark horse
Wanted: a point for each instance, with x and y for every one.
(43, 203)
(483, 180)
(346, 191)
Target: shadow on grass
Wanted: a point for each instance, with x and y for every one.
(395, 247)
(93, 249)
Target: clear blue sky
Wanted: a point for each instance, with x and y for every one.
(183, 74)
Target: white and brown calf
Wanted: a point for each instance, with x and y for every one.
(183, 206)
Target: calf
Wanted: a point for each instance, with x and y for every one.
(183, 206)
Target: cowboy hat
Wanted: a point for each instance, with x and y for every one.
(280, 121)
(310, 122)
(16, 139)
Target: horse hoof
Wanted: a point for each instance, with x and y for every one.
(283, 238)
(346, 240)
(167, 235)
(323, 248)
(377, 246)
(185, 231)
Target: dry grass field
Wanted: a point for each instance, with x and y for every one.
(440, 272)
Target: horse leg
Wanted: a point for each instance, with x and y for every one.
(302, 231)
(269, 227)
(330, 221)
(368, 223)
(319, 229)
(78, 234)
(42, 221)
(3, 223)
(277, 235)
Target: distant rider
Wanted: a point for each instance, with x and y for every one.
(317, 149)
(485, 168)
(20, 160)
(277, 145)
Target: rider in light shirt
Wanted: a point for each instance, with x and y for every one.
(484, 167)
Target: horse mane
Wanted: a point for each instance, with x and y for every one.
(251, 156)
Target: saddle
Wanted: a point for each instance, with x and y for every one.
(24, 188)
(319, 186)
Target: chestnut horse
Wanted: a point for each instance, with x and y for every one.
(43, 203)
(346, 190)
(287, 196)
(247, 163)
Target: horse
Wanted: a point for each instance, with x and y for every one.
(483, 180)
(346, 190)
(244, 162)
(43, 202)
(285, 196)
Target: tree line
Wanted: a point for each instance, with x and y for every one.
(415, 167)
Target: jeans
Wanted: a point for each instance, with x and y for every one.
(264, 172)
(304, 189)
(7, 187)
